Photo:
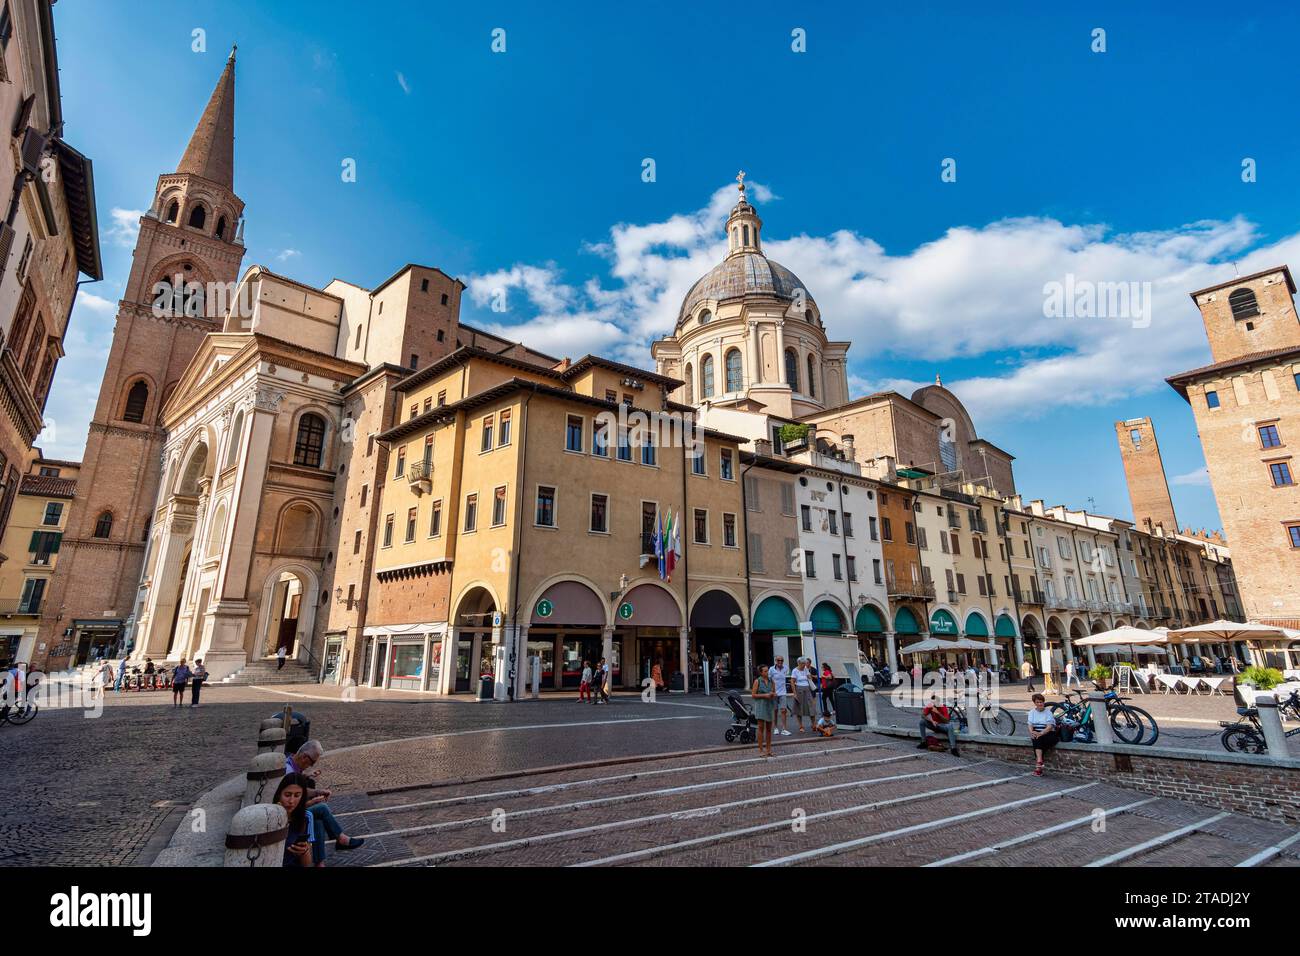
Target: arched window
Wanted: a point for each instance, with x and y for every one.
(706, 376)
(812, 378)
(104, 525)
(746, 235)
(808, 316)
(309, 447)
(221, 228)
(706, 317)
(734, 383)
(1243, 304)
(173, 210)
(236, 434)
(792, 369)
(690, 384)
(136, 400)
(198, 216)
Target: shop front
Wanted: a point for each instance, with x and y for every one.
(977, 629)
(332, 661)
(402, 656)
(95, 639)
(870, 628)
(565, 632)
(774, 617)
(1004, 636)
(648, 632)
(718, 640)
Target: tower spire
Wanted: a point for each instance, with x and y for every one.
(211, 152)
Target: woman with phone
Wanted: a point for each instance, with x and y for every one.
(291, 794)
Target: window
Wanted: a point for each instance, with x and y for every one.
(428, 453)
(706, 376)
(415, 360)
(1268, 436)
(545, 506)
(728, 530)
(832, 518)
(365, 492)
(787, 498)
(886, 530)
(648, 449)
(573, 433)
(499, 506)
(424, 285)
(812, 379)
(33, 591)
(875, 570)
(136, 400)
(600, 438)
(410, 525)
(388, 531)
(809, 564)
(943, 542)
(961, 584)
(853, 567)
(697, 461)
(734, 383)
(53, 513)
(921, 539)
(504, 437)
(956, 543)
(444, 302)
(198, 217)
(415, 410)
(1293, 531)
(701, 526)
(836, 570)
(727, 471)
(871, 528)
(309, 447)
(104, 525)
(792, 369)
(442, 399)
(911, 532)
(848, 525)
(805, 514)
(173, 210)
(435, 519)
(624, 446)
(400, 468)
(471, 512)
(1243, 304)
(356, 542)
(1211, 398)
(690, 384)
(485, 442)
(599, 514)
(1136, 436)
(706, 317)
(611, 395)
(1281, 473)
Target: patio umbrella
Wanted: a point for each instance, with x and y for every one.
(1229, 631)
(934, 644)
(1120, 635)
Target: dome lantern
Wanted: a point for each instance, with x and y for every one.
(743, 225)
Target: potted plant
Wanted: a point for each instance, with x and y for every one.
(1254, 680)
(1099, 674)
(794, 437)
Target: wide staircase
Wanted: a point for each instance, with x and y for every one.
(263, 671)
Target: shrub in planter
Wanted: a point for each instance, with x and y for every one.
(794, 434)
(1262, 678)
(1099, 674)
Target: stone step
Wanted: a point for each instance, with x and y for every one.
(268, 672)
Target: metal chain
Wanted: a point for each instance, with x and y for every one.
(253, 853)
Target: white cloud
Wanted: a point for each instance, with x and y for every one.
(1200, 478)
(284, 255)
(97, 304)
(971, 293)
(401, 81)
(123, 226)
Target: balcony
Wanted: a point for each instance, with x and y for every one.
(14, 606)
(954, 519)
(419, 475)
(647, 542)
(911, 589)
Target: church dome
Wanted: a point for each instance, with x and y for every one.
(740, 274)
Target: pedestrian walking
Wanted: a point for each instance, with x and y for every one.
(103, 677)
(602, 682)
(802, 679)
(121, 675)
(1071, 673)
(197, 677)
(281, 653)
(935, 719)
(781, 682)
(828, 681)
(1027, 674)
(764, 694)
(584, 686)
(180, 677)
(1042, 731)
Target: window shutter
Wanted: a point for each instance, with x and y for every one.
(787, 499)
(756, 552)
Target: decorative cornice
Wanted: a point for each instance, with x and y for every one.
(426, 570)
(268, 399)
(147, 433)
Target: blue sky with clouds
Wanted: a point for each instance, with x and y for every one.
(522, 171)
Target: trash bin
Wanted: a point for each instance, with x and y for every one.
(486, 687)
(677, 682)
(299, 731)
(850, 706)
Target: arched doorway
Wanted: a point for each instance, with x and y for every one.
(648, 628)
(475, 645)
(718, 637)
(285, 609)
(565, 631)
(905, 624)
(1004, 636)
(774, 618)
(870, 628)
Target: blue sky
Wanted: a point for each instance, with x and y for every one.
(522, 171)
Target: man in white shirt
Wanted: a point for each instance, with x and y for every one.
(780, 678)
(1071, 673)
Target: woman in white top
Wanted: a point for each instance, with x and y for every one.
(1042, 731)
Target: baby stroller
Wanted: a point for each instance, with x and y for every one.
(743, 725)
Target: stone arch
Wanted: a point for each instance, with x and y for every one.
(977, 613)
(1078, 629)
(326, 459)
(1098, 626)
(1031, 628)
(298, 527)
(762, 596)
(216, 530)
(273, 626)
(654, 582)
(474, 596)
(736, 600)
(1056, 629)
(197, 466)
(529, 610)
(196, 214)
(194, 275)
(138, 394)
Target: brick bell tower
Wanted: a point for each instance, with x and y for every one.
(190, 239)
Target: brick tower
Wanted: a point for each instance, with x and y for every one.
(1148, 490)
(190, 240)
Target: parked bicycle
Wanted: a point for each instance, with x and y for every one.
(1247, 736)
(995, 721)
(1129, 724)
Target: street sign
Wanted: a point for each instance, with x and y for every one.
(625, 610)
(545, 608)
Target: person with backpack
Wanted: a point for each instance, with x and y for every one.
(180, 677)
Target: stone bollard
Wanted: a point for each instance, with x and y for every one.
(270, 741)
(257, 835)
(270, 724)
(972, 706)
(263, 777)
(1100, 719)
(1271, 724)
(873, 705)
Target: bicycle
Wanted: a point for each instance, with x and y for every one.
(21, 713)
(996, 721)
(1127, 722)
(1247, 736)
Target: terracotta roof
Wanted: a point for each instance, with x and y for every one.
(46, 486)
(1180, 381)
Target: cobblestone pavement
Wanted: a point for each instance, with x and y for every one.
(857, 799)
(110, 791)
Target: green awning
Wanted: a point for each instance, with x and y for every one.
(941, 622)
(1005, 627)
(826, 619)
(905, 622)
(975, 626)
(868, 620)
(774, 614)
